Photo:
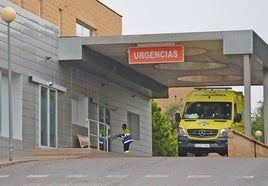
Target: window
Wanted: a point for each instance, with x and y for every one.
(104, 115)
(48, 117)
(134, 125)
(40, 7)
(16, 105)
(104, 128)
(83, 30)
(80, 110)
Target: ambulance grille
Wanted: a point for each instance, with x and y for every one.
(202, 133)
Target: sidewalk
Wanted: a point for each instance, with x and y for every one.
(58, 154)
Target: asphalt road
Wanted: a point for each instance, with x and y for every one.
(133, 171)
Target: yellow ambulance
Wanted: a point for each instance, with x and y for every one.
(208, 114)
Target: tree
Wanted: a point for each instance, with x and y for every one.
(164, 142)
(170, 112)
(258, 119)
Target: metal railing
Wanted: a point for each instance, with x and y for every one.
(99, 132)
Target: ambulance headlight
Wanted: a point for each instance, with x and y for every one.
(182, 132)
(223, 132)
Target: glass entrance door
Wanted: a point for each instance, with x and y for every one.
(48, 119)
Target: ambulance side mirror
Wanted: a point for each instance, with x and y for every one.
(238, 118)
(178, 117)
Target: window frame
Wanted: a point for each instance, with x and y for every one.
(84, 28)
(16, 105)
(134, 125)
(79, 110)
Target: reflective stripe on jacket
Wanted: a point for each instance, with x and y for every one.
(126, 137)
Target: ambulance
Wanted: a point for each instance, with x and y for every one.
(207, 116)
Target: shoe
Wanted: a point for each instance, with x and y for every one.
(127, 153)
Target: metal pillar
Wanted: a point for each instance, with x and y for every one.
(10, 97)
(247, 98)
(265, 104)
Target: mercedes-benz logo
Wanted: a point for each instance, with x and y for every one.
(202, 133)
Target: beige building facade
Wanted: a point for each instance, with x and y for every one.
(175, 95)
(65, 14)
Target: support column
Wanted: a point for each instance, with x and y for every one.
(265, 104)
(247, 95)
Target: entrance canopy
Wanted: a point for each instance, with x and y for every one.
(210, 59)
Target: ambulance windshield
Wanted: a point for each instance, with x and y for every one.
(208, 110)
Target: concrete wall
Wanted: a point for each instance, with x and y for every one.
(110, 95)
(240, 145)
(31, 40)
(34, 50)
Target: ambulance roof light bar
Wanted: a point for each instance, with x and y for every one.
(213, 88)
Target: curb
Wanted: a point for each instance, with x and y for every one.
(5, 163)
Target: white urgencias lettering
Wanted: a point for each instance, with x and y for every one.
(156, 54)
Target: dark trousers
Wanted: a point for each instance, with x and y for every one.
(126, 146)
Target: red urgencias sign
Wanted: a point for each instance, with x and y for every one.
(161, 54)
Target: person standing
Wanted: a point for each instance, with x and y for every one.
(126, 139)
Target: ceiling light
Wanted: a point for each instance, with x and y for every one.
(210, 78)
(190, 66)
(189, 51)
